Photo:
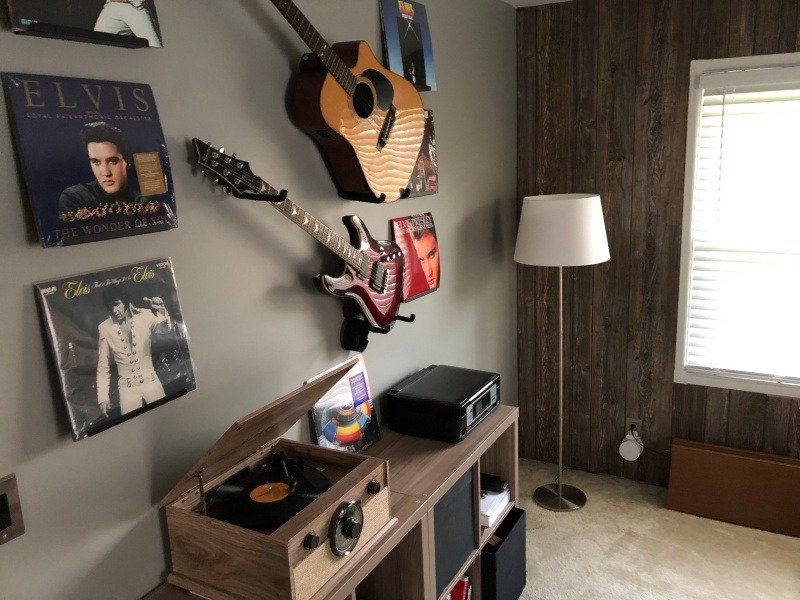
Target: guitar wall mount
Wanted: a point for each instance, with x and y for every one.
(369, 197)
(79, 34)
(355, 330)
(280, 197)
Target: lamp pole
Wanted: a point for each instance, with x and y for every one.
(560, 376)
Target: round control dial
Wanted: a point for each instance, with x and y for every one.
(345, 528)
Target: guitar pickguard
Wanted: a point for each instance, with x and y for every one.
(384, 91)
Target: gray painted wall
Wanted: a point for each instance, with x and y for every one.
(257, 326)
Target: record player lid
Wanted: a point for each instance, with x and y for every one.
(260, 427)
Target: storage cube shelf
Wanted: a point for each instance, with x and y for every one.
(401, 564)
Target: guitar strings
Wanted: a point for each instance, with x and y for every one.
(297, 21)
(344, 248)
(364, 106)
(346, 251)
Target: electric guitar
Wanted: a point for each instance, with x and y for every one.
(373, 270)
(367, 121)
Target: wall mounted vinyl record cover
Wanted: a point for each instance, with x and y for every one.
(93, 157)
(407, 47)
(127, 23)
(425, 177)
(416, 237)
(344, 418)
(119, 342)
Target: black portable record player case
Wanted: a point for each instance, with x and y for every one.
(442, 402)
(217, 559)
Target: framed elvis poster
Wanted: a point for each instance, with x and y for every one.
(416, 237)
(425, 177)
(407, 46)
(119, 342)
(93, 157)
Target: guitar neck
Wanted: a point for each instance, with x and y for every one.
(316, 229)
(321, 49)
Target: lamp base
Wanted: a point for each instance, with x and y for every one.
(547, 497)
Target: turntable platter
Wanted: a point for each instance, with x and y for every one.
(267, 496)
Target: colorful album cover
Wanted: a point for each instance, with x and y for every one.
(425, 177)
(119, 342)
(344, 418)
(407, 48)
(416, 237)
(67, 19)
(93, 157)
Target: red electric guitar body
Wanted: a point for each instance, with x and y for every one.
(378, 296)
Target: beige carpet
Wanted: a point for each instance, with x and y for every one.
(625, 544)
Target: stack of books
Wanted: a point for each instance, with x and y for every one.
(494, 498)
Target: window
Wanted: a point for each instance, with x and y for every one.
(739, 310)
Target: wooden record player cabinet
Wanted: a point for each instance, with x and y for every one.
(400, 565)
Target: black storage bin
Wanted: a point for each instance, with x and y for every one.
(503, 565)
(454, 537)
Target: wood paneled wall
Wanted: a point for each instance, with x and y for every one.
(602, 102)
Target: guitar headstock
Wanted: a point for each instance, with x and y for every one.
(229, 171)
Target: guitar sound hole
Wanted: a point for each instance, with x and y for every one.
(363, 101)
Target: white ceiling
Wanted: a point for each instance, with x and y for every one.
(524, 3)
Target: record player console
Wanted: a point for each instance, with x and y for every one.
(268, 518)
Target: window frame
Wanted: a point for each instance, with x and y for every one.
(681, 373)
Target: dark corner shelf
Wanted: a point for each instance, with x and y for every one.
(62, 32)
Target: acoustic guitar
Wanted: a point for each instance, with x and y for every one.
(367, 121)
(373, 270)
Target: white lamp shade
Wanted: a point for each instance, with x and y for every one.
(562, 230)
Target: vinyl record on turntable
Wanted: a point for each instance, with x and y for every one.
(266, 496)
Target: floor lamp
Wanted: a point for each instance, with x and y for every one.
(561, 230)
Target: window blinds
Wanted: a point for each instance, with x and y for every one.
(743, 314)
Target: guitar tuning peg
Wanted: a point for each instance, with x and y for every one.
(222, 150)
(226, 189)
(233, 155)
(216, 180)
